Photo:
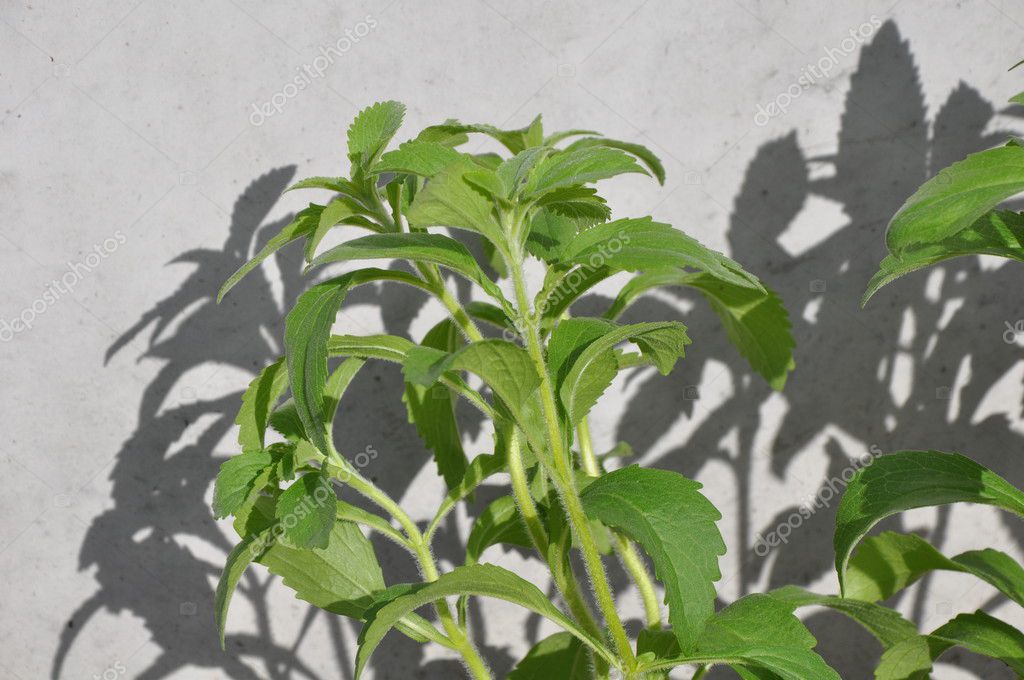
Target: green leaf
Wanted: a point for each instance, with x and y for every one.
(432, 411)
(640, 243)
(762, 632)
(559, 656)
(885, 624)
(339, 211)
(579, 166)
(977, 632)
(258, 402)
(505, 367)
(304, 224)
(757, 636)
(645, 155)
(337, 384)
(955, 198)
(886, 564)
(238, 560)
(498, 523)
(580, 203)
(307, 510)
(307, 328)
(425, 159)
(561, 291)
(449, 200)
(662, 343)
(1000, 233)
(481, 580)
(755, 320)
(987, 635)
(569, 338)
(756, 323)
(236, 481)
(514, 140)
(492, 314)
(914, 479)
(486, 181)
(675, 524)
(514, 171)
(386, 347)
(339, 185)
(550, 235)
(415, 247)
(556, 137)
(911, 659)
(371, 131)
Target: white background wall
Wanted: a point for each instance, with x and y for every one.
(128, 127)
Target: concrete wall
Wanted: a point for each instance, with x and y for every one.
(139, 166)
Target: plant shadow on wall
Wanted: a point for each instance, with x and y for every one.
(139, 548)
(842, 391)
(908, 370)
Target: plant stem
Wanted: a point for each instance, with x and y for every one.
(569, 588)
(521, 492)
(701, 671)
(644, 583)
(563, 478)
(349, 475)
(631, 559)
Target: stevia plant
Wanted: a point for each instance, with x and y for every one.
(542, 371)
(954, 214)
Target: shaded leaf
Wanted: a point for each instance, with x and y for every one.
(481, 580)
(558, 656)
(886, 564)
(1000, 233)
(914, 479)
(236, 481)
(640, 243)
(418, 158)
(306, 511)
(675, 524)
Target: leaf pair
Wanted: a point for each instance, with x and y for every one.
(953, 214)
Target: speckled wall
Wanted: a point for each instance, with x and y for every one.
(144, 147)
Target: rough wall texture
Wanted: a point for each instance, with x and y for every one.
(143, 150)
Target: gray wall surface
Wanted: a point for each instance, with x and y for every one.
(144, 147)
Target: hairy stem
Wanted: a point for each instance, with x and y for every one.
(631, 559)
(569, 588)
(563, 477)
(347, 474)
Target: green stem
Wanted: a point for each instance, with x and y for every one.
(644, 583)
(563, 478)
(631, 559)
(568, 587)
(701, 671)
(349, 475)
(521, 492)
